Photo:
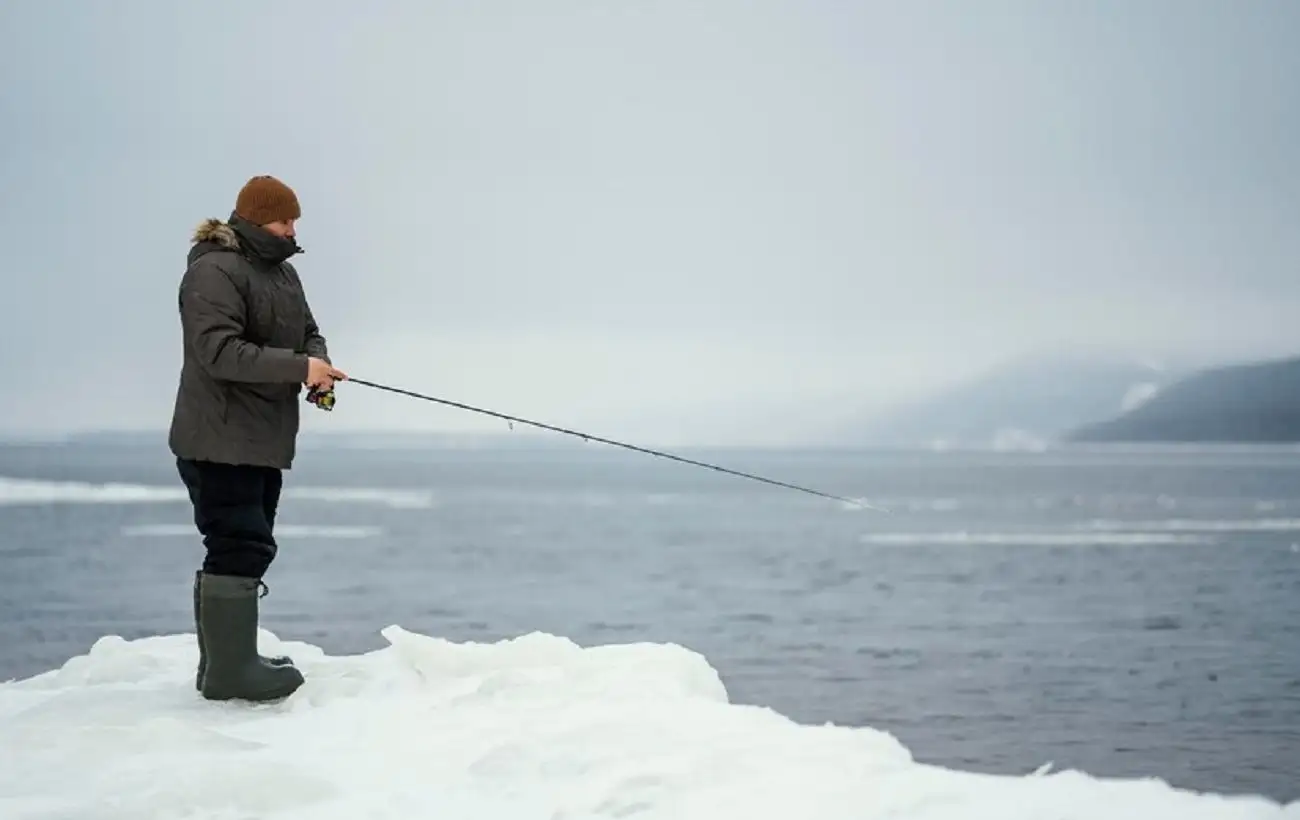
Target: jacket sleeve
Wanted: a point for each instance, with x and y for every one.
(314, 343)
(313, 340)
(213, 316)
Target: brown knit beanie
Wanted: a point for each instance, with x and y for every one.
(265, 199)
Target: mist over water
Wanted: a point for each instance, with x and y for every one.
(691, 223)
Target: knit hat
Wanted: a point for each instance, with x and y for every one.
(265, 199)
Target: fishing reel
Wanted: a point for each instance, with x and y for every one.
(323, 399)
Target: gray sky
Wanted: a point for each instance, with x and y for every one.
(668, 219)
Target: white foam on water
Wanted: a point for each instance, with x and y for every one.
(21, 491)
(924, 504)
(1198, 525)
(388, 497)
(1049, 539)
(534, 728)
(281, 531)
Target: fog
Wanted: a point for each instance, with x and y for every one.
(680, 221)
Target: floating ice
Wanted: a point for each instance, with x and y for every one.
(534, 728)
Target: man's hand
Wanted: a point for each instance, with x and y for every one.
(321, 375)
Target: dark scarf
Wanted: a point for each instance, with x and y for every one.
(262, 245)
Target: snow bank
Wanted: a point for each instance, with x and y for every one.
(535, 728)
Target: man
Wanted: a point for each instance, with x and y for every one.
(250, 343)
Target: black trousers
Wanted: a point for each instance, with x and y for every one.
(234, 511)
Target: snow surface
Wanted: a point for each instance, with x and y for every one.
(534, 728)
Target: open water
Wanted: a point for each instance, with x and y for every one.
(1132, 614)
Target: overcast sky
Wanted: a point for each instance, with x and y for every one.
(651, 218)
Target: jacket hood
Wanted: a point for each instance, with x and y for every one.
(241, 237)
(217, 231)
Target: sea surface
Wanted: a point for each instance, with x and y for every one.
(1124, 613)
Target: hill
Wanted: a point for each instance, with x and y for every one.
(1023, 404)
(1256, 402)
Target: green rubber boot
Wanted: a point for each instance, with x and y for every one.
(276, 660)
(228, 615)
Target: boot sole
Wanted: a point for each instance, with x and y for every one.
(263, 696)
(277, 660)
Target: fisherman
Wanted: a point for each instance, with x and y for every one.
(250, 343)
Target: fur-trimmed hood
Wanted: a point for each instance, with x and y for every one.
(218, 231)
(248, 240)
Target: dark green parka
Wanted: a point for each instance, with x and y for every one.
(247, 332)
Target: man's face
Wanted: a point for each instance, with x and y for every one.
(283, 229)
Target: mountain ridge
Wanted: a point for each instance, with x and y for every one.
(1025, 403)
(1254, 401)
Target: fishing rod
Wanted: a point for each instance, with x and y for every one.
(326, 402)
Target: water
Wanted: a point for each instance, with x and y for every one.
(1126, 614)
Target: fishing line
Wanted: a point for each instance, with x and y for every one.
(624, 445)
